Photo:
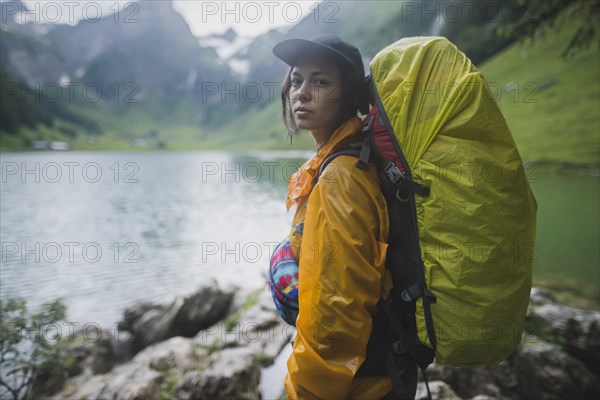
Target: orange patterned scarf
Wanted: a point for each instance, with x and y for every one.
(301, 182)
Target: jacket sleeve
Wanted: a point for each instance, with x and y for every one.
(340, 270)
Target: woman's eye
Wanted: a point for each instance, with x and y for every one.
(296, 83)
(321, 83)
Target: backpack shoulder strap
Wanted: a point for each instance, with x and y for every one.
(353, 151)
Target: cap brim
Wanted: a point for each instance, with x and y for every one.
(291, 49)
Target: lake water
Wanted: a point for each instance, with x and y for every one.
(101, 230)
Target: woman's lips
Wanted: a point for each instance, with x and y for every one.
(302, 112)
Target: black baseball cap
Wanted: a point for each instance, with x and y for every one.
(343, 53)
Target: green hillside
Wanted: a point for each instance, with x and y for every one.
(552, 109)
(550, 104)
(261, 130)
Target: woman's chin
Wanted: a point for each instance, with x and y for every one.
(304, 125)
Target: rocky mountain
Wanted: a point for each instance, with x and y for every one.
(146, 65)
(154, 48)
(26, 54)
(151, 55)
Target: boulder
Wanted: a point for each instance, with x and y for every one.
(124, 346)
(201, 310)
(256, 327)
(545, 372)
(135, 311)
(151, 323)
(539, 296)
(439, 390)
(232, 373)
(84, 352)
(537, 369)
(156, 324)
(576, 331)
(90, 352)
(149, 372)
(186, 366)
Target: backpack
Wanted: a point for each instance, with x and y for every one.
(462, 214)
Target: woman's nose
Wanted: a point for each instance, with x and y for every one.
(305, 91)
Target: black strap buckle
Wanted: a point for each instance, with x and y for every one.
(400, 348)
(416, 291)
(403, 184)
(412, 293)
(394, 174)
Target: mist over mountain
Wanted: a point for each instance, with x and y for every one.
(146, 71)
(152, 51)
(373, 25)
(24, 52)
(155, 49)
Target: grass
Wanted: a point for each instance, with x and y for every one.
(553, 109)
(231, 322)
(262, 130)
(212, 347)
(263, 359)
(252, 299)
(558, 339)
(233, 319)
(168, 388)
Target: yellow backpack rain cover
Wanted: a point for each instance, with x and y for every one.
(476, 228)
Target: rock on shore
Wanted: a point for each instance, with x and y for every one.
(222, 358)
(151, 323)
(558, 358)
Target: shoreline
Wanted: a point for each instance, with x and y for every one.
(558, 167)
(233, 357)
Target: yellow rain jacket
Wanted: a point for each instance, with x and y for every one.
(342, 251)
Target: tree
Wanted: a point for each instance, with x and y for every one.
(533, 17)
(25, 345)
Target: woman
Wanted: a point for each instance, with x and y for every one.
(340, 227)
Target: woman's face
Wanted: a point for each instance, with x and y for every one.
(316, 95)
